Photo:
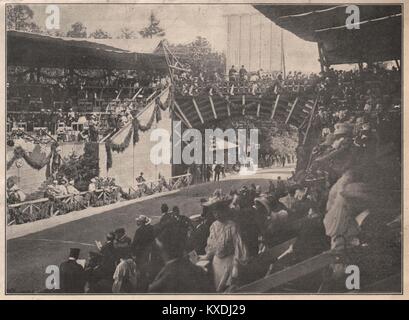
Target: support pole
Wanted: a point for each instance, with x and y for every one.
(275, 106)
(310, 120)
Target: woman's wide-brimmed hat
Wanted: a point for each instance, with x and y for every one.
(143, 220)
(218, 200)
(265, 202)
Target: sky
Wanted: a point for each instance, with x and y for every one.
(182, 24)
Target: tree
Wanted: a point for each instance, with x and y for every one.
(19, 17)
(127, 33)
(153, 29)
(78, 30)
(100, 34)
(199, 56)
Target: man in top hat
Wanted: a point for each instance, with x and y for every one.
(72, 277)
(143, 238)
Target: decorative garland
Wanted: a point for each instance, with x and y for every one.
(121, 147)
(134, 130)
(19, 153)
(109, 155)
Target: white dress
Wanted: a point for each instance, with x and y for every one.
(226, 248)
(339, 220)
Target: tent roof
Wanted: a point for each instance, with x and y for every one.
(377, 39)
(35, 50)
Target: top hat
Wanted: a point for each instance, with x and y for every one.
(74, 253)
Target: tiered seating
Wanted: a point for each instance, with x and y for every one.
(204, 109)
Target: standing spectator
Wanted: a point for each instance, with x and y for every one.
(127, 277)
(166, 216)
(72, 277)
(143, 238)
(108, 256)
(225, 247)
(281, 189)
(122, 242)
(217, 170)
(232, 74)
(184, 221)
(140, 178)
(178, 275)
(242, 73)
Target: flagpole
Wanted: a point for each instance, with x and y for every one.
(282, 54)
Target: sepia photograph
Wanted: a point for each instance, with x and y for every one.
(203, 149)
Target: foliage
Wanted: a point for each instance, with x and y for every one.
(82, 168)
(100, 34)
(275, 139)
(153, 29)
(19, 17)
(127, 33)
(78, 30)
(278, 140)
(200, 57)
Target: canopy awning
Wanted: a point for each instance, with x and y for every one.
(377, 39)
(35, 50)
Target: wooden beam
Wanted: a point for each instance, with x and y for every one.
(258, 109)
(182, 114)
(228, 108)
(292, 110)
(275, 106)
(197, 110)
(180, 117)
(310, 120)
(291, 273)
(213, 108)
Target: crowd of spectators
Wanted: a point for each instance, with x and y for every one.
(243, 82)
(64, 105)
(348, 199)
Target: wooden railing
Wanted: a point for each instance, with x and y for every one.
(238, 87)
(160, 185)
(291, 273)
(42, 208)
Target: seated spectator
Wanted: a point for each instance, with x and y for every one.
(14, 193)
(92, 186)
(71, 188)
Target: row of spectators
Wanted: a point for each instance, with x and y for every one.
(243, 81)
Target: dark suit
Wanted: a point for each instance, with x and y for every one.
(181, 276)
(142, 242)
(72, 277)
(108, 259)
